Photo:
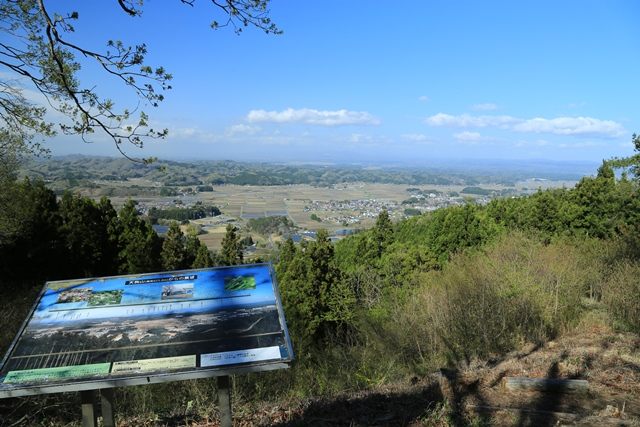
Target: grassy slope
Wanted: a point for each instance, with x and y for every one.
(474, 394)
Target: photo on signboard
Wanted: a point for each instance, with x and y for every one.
(178, 291)
(105, 298)
(74, 295)
(239, 283)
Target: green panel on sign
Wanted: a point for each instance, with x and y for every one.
(56, 374)
(239, 283)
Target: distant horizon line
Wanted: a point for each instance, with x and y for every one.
(444, 160)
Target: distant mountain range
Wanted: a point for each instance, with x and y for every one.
(78, 170)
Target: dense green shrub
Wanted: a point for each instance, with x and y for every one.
(517, 290)
(271, 225)
(621, 295)
(181, 214)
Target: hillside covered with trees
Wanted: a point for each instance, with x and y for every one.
(83, 171)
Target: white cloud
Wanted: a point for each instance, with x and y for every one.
(586, 144)
(358, 138)
(313, 117)
(467, 120)
(191, 133)
(423, 98)
(416, 137)
(242, 129)
(184, 132)
(484, 107)
(574, 126)
(469, 137)
(582, 126)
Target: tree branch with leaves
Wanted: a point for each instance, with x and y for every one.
(37, 49)
(631, 162)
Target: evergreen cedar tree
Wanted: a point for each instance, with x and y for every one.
(180, 252)
(231, 252)
(316, 297)
(174, 252)
(78, 237)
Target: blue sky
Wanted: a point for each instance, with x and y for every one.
(368, 81)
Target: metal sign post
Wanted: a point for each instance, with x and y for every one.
(224, 401)
(106, 407)
(90, 409)
(89, 412)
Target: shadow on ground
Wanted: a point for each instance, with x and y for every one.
(376, 409)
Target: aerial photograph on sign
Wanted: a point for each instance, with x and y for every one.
(165, 322)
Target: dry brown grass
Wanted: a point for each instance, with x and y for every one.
(213, 241)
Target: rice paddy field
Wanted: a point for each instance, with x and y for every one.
(247, 202)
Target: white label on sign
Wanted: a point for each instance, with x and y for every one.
(240, 356)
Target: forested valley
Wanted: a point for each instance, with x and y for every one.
(436, 291)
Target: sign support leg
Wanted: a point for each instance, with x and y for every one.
(89, 413)
(106, 407)
(224, 401)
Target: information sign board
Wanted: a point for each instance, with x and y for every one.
(113, 331)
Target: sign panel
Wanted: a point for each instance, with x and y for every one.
(114, 328)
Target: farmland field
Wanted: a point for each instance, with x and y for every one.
(240, 203)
